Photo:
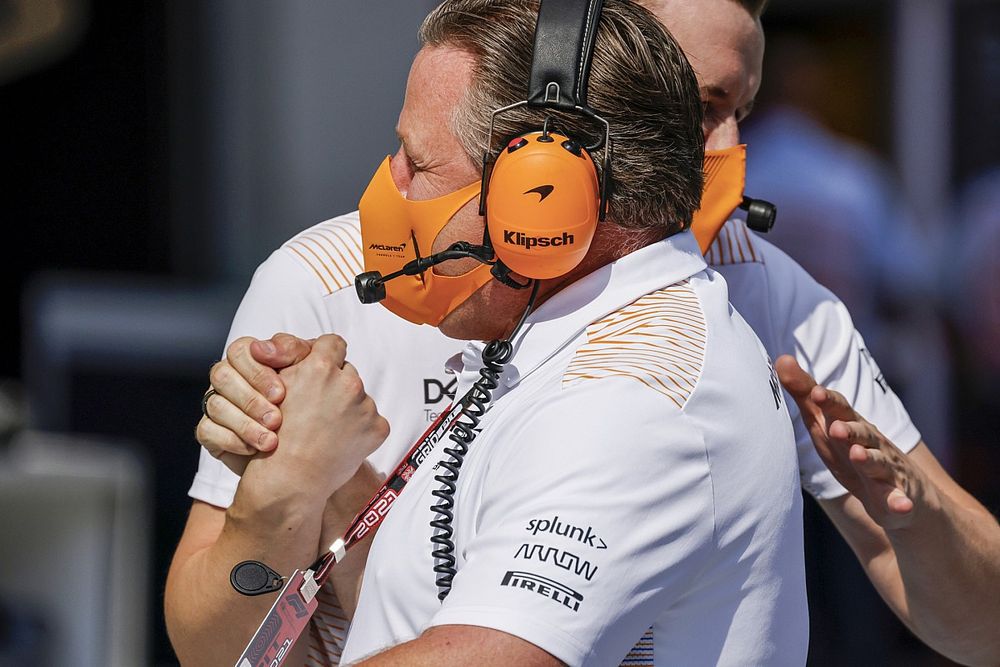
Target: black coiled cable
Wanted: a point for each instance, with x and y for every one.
(463, 432)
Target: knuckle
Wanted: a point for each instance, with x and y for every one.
(334, 344)
(260, 377)
(254, 406)
(350, 374)
(285, 342)
(335, 340)
(323, 363)
(220, 373)
(352, 386)
(201, 434)
(239, 346)
(381, 428)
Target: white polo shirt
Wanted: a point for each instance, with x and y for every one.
(634, 479)
(306, 288)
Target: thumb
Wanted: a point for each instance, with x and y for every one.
(281, 351)
(798, 383)
(803, 389)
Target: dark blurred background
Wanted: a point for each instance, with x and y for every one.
(153, 153)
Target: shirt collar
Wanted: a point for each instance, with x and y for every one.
(568, 312)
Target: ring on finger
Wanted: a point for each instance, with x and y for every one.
(204, 401)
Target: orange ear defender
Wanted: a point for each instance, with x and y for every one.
(541, 195)
(543, 203)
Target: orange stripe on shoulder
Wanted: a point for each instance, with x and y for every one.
(657, 340)
(331, 250)
(734, 245)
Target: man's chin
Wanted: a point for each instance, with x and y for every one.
(477, 318)
(461, 324)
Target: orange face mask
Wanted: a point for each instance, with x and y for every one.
(725, 178)
(396, 230)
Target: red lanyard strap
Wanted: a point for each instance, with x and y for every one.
(372, 515)
(304, 585)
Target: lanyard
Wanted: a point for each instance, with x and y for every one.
(372, 515)
(290, 613)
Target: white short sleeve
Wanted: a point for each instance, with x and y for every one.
(573, 551)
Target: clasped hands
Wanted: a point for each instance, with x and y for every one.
(327, 423)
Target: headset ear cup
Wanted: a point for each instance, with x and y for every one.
(542, 204)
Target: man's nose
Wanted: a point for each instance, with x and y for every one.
(400, 171)
(724, 135)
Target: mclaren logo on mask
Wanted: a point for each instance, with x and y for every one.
(517, 238)
(387, 248)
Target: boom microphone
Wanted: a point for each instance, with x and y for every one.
(760, 214)
(371, 284)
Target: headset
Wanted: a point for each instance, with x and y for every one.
(542, 199)
(541, 195)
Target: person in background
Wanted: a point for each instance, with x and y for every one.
(974, 296)
(838, 200)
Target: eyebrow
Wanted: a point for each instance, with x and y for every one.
(407, 145)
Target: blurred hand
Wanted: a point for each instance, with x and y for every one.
(863, 460)
(243, 415)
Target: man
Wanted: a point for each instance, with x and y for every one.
(564, 549)
(904, 517)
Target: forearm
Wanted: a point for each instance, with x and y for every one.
(940, 577)
(463, 645)
(210, 623)
(931, 549)
(949, 567)
(341, 509)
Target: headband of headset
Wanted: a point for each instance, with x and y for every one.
(564, 47)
